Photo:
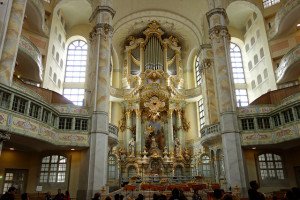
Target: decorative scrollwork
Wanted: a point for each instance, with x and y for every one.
(104, 29)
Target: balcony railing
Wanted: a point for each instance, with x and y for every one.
(27, 47)
(38, 5)
(280, 17)
(272, 124)
(16, 116)
(292, 57)
(210, 130)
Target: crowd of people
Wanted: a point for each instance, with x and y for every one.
(218, 194)
(11, 192)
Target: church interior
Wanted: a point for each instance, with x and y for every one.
(97, 95)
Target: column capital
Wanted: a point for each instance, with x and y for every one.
(218, 32)
(103, 29)
(99, 9)
(217, 11)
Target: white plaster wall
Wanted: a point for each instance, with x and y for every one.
(264, 62)
(57, 28)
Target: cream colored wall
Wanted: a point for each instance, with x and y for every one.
(32, 162)
(191, 114)
(81, 29)
(60, 48)
(265, 62)
(20, 160)
(290, 160)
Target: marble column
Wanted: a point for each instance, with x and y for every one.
(233, 157)
(180, 133)
(208, 85)
(128, 133)
(170, 132)
(100, 41)
(138, 132)
(3, 137)
(11, 42)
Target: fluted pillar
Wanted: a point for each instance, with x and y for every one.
(11, 41)
(3, 137)
(138, 132)
(233, 158)
(180, 133)
(170, 132)
(100, 50)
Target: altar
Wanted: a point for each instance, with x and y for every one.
(153, 125)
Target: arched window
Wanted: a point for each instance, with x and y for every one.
(241, 97)
(201, 113)
(53, 169)
(131, 171)
(54, 77)
(250, 65)
(205, 165)
(75, 95)
(255, 59)
(237, 63)
(197, 70)
(76, 62)
(270, 167)
(265, 73)
(75, 70)
(259, 79)
(268, 3)
(253, 85)
(112, 168)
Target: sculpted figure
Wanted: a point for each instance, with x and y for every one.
(131, 146)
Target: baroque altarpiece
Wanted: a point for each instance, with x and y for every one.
(153, 124)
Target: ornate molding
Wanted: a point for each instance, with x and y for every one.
(220, 11)
(205, 64)
(218, 32)
(99, 9)
(288, 60)
(103, 29)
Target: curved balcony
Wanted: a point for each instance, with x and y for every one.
(288, 69)
(285, 19)
(29, 61)
(22, 124)
(210, 134)
(35, 12)
(282, 126)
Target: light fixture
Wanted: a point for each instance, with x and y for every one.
(72, 149)
(12, 149)
(298, 25)
(253, 147)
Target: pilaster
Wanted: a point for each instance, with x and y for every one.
(138, 132)
(233, 158)
(12, 38)
(99, 62)
(170, 132)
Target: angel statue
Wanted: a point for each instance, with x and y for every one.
(131, 146)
